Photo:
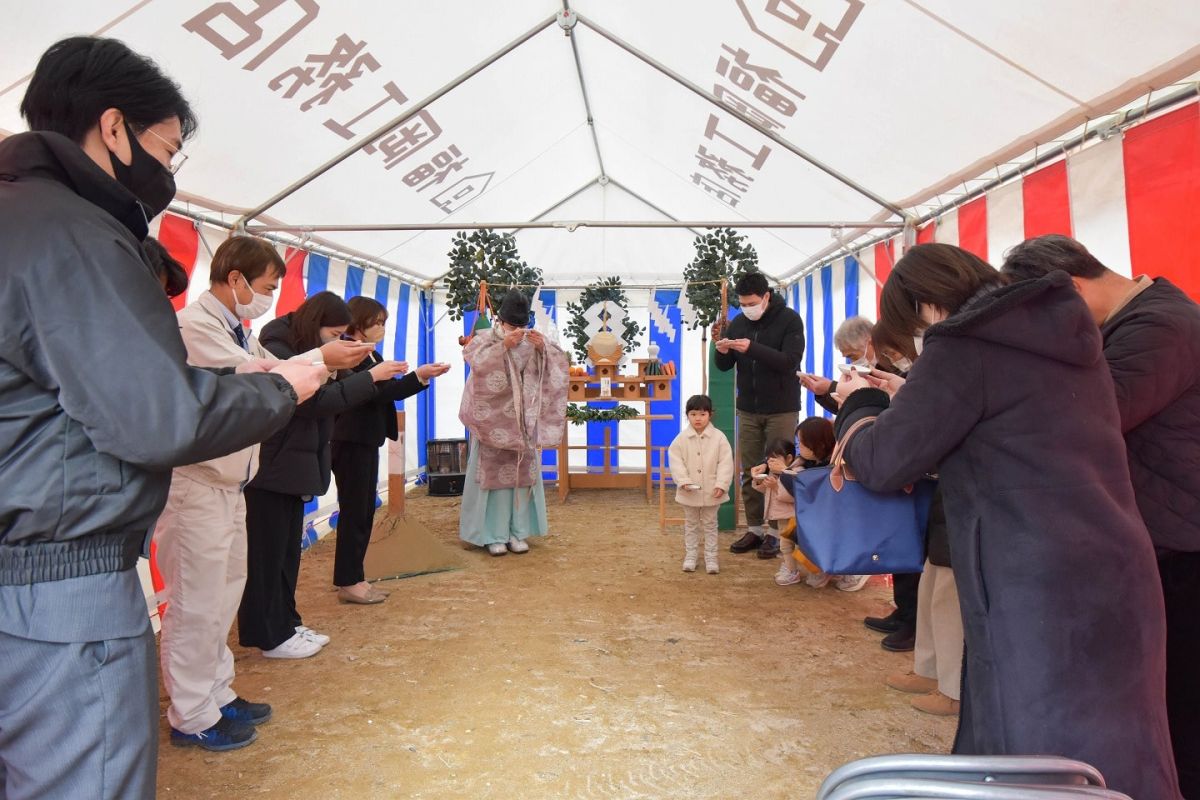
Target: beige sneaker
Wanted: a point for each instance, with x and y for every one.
(937, 704)
(911, 682)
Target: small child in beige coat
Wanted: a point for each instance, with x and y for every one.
(702, 467)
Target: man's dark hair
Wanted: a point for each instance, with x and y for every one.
(168, 270)
(699, 402)
(365, 312)
(322, 310)
(78, 79)
(1035, 257)
(248, 255)
(751, 283)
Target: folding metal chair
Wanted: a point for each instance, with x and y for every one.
(1038, 770)
(922, 789)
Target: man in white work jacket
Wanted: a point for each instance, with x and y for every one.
(201, 535)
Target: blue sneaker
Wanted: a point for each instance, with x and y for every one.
(245, 712)
(225, 735)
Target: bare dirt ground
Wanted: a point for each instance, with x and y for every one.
(591, 667)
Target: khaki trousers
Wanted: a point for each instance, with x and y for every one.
(201, 539)
(753, 433)
(939, 648)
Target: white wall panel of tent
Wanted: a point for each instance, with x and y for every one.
(864, 111)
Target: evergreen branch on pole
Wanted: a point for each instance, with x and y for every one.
(488, 256)
(722, 253)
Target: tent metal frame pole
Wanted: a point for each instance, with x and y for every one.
(567, 22)
(639, 197)
(399, 120)
(569, 225)
(568, 198)
(712, 99)
(315, 245)
(1041, 157)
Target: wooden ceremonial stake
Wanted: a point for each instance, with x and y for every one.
(397, 482)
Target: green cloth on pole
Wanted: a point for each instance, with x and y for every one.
(721, 391)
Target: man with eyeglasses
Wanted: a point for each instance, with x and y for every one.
(97, 404)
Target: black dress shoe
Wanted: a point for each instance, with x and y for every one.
(750, 541)
(889, 624)
(769, 547)
(902, 641)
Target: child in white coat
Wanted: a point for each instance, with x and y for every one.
(702, 467)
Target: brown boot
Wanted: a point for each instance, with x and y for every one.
(937, 704)
(911, 682)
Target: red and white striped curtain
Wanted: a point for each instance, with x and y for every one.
(1133, 201)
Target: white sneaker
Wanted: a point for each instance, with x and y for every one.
(818, 580)
(787, 575)
(516, 545)
(851, 583)
(295, 647)
(689, 564)
(497, 548)
(311, 635)
(711, 568)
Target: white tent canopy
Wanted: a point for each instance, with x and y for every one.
(621, 110)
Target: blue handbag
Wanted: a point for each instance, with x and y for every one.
(846, 529)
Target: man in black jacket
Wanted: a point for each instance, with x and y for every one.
(766, 343)
(96, 405)
(1151, 333)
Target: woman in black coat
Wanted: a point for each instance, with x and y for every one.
(358, 434)
(294, 467)
(1012, 404)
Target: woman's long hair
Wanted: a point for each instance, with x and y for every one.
(938, 274)
(322, 310)
(365, 312)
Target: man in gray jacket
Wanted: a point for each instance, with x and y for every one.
(96, 405)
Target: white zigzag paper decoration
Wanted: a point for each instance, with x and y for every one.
(594, 316)
(687, 313)
(660, 318)
(541, 317)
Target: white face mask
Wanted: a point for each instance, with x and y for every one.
(754, 313)
(259, 303)
(919, 342)
(902, 364)
(374, 334)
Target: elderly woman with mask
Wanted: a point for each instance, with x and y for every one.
(514, 404)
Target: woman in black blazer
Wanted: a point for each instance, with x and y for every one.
(294, 467)
(358, 434)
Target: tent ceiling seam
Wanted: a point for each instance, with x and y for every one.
(493, 187)
(746, 120)
(996, 54)
(690, 186)
(105, 28)
(1129, 118)
(400, 120)
(570, 19)
(640, 198)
